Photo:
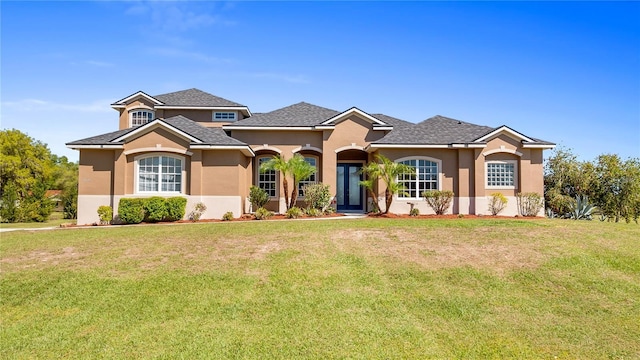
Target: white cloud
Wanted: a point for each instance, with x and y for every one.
(173, 16)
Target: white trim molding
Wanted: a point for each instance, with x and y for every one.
(267, 148)
(150, 126)
(245, 149)
(538, 146)
(99, 146)
(354, 110)
(279, 128)
(307, 147)
(504, 129)
(122, 103)
(159, 148)
(502, 149)
(349, 147)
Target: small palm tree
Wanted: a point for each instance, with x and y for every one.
(296, 167)
(278, 163)
(300, 170)
(372, 170)
(388, 171)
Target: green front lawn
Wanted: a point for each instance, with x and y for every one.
(55, 220)
(370, 288)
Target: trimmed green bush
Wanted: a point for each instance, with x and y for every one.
(293, 213)
(176, 208)
(314, 212)
(228, 216)
(155, 209)
(317, 196)
(131, 211)
(106, 214)
(438, 200)
(258, 197)
(263, 214)
(414, 212)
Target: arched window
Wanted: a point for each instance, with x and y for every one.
(313, 179)
(139, 117)
(159, 174)
(268, 180)
(425, 177)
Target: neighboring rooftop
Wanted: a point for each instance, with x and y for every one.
(208, 136)
(195, 97)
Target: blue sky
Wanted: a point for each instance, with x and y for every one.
(566, 72)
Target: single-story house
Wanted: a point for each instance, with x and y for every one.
(208, 149)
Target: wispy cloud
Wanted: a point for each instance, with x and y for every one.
(295, 79)
(99, 63)
(189, 55)
(173, 16)
(34, 105)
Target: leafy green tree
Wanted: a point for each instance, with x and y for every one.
(565, 179)
(296, 168)
(388, 171)
(26, 170)
(617, 187)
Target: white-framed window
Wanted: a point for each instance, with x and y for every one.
(159, 174)
(501, 174)
(426, 177)
(313, 161)
(268, 180)
(224, 116)
(139, 117)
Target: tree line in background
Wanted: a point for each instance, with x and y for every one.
(608, 186)
(29, 170)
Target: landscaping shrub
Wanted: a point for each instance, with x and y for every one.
(414, 212)
(106, 214)
(155, 209)
(176, 207)
(438, 200)
(263, 214)
(228, 216)
(314, 212)
(70, 203)
(317, 196)
(197, 212)
(258, 197)
(293, 213)
(582, 209)
(131, 211)
(529, 204)
(497, 203)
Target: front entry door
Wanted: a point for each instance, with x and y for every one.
(349, 192)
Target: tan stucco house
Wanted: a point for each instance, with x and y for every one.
(208, 149)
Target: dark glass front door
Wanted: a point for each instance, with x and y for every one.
(349, 192)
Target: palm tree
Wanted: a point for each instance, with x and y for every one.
(372, 170)
(388, 171)
(278, 163)
(300, 170)
(296, 167)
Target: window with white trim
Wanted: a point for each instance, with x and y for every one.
(501, 174)
(425, 178)
(139, 117)
(268, 180)
(313, 161)
(224, 116)
(161, 174)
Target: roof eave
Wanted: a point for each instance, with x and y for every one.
(245, 149)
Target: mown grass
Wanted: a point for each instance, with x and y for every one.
(371, 288)
(55, 220)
